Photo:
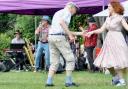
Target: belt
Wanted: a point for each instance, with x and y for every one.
(43, 42)
(58, 34)
(115, 30)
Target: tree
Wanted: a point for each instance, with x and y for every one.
(7, 22)
(26, 24)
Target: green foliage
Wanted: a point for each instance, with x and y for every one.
(26, 24)
(7, 22)
(3, 22)
(76, 21)
(74, 25)
(4, 43)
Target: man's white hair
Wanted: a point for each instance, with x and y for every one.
(71, 4)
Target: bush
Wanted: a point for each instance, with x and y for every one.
(4, 43)
(26, 25)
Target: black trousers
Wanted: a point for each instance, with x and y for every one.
(20, 62)
(89, 51)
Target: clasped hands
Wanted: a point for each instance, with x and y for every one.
(83, 33)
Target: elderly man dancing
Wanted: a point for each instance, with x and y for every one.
(59, 43)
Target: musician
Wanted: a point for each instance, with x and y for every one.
(43, 47)
(19, 55)
(18, 38)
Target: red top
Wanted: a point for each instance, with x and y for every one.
(91, 41)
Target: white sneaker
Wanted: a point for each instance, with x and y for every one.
(121, 83)
(34, 71)
(107, 72)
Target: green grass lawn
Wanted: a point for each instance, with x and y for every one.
(29, 80)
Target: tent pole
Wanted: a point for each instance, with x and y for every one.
(35, 20)
(103, 8)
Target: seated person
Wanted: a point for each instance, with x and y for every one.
(18, 38)
(19, 56)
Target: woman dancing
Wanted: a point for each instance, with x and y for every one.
(114, 53)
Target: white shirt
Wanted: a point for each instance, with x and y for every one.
(18, 41)
(60, 15)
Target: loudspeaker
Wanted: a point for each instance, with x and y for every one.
(9, 64)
